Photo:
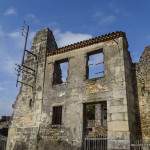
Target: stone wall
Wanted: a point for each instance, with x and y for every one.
(28, 105)
(32, 128)
(143, 86)
(130, 93)
(78, 90)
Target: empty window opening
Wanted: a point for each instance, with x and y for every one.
(95, 64)
(95, 119)
(57, 115)
(90, 112)
(60, 71)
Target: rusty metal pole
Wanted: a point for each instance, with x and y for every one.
(25, 44)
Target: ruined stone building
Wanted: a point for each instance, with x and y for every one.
(87, 89)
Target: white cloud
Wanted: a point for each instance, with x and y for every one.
(8, 65)
(6, 61)
(1, 31)
(5, 107)
(11, 49)
(148, 37)
(118, 10)
(32, 18)
(7, 96)
(10, 11)
(107, 19)
(104, 19)
(1, 88)
(14, 34)
(68, 37)
(114, 7)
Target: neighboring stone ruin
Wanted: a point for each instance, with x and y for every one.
(143, 85)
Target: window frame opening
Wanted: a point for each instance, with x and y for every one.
(58, 71)
(57, 115)
(101, 63)
(97, 125)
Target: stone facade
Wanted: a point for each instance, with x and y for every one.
(32, 127)
(143, 88)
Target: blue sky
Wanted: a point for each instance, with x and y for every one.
(71, 21)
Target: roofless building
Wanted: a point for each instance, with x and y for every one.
(80, 92)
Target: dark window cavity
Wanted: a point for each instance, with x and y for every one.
(95, 64)
(90, 112)
(60, 74)
(57, 115)
(95, 118)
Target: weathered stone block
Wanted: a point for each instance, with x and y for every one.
(118, 126)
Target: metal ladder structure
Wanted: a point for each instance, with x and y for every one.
(23, 68)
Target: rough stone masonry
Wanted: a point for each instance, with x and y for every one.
(65, 106)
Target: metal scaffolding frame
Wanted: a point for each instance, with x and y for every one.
(23, 68)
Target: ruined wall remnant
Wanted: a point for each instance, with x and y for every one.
(53, 114)
(143, 85)
(28, 105)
